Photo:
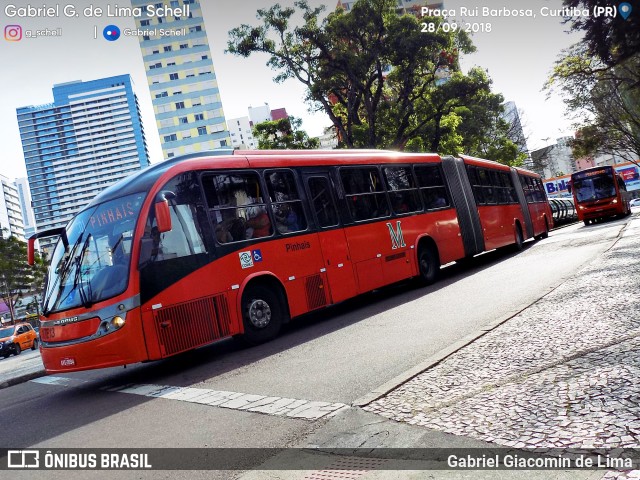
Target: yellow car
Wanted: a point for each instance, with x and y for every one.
(16, 338)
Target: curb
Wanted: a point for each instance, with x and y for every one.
(443, 354)
(22, 378)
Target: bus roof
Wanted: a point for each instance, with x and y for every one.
(481, 162)
(524, 171)
(593, 169)
(144, 180)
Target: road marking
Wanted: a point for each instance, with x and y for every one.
(275, 406)
(61, 381)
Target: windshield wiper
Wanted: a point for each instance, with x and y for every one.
(61, 275)
(86, 302)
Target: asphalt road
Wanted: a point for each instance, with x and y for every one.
(338, 355)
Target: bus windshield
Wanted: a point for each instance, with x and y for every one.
(595, 187)
(95, 265)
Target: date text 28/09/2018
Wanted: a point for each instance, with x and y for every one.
(468, 27)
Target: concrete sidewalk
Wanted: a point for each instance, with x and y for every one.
(24, 367)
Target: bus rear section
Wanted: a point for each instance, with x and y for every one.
(599, 193)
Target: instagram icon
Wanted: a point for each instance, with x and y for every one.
(13, 33)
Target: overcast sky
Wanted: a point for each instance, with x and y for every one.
(518, 53)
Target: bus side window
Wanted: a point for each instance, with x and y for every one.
(499, 187)
(431, 183)
(478, 192)
(527, 187)
(322, 202)
(402, 190)
(364, 193)
(190, 228)
(285, 201)
(540, 190)
(236, 206)
(511, 189)
(621, 183)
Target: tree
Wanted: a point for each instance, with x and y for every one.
(16, 276)
(600, 79)
(376, 74)
(612, 40)
(284, 134)
(604, 101)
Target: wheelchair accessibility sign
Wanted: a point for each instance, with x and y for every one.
(249, 257)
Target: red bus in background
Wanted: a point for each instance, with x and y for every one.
(599, 192)
(204, 247)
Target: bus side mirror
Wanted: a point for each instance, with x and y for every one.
(31, 246)
(163, 216)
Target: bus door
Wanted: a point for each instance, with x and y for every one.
(333, 242)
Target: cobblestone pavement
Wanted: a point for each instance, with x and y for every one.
(563, 373)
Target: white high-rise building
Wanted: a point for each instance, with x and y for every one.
(26, 207)
(555, 160)
(10, 214)
(241, 131)
(260, 114)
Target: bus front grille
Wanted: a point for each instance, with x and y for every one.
(192, 324)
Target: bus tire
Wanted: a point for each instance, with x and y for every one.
(263, 313)
(519, 243)
(545, 233)
(587, 222)
(428, 264)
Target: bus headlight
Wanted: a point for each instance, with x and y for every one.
(117, 322)
(615, 200)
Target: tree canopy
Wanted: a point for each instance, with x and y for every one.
(612, 40)
(383, 79)
(599, 78)
(17, 277)
(283, 134)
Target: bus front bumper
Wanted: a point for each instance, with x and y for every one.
(116, 349)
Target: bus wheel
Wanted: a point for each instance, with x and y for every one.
(519, 245)
(429, 264)
(544, 234)
(587, 222)
(263, 314)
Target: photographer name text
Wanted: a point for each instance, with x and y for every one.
(92, 11)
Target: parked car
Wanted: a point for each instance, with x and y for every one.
(16, 338)
(635, 202)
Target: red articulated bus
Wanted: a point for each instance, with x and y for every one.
(599, 192)
(203, 247)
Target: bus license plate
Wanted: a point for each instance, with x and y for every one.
(67, 362)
